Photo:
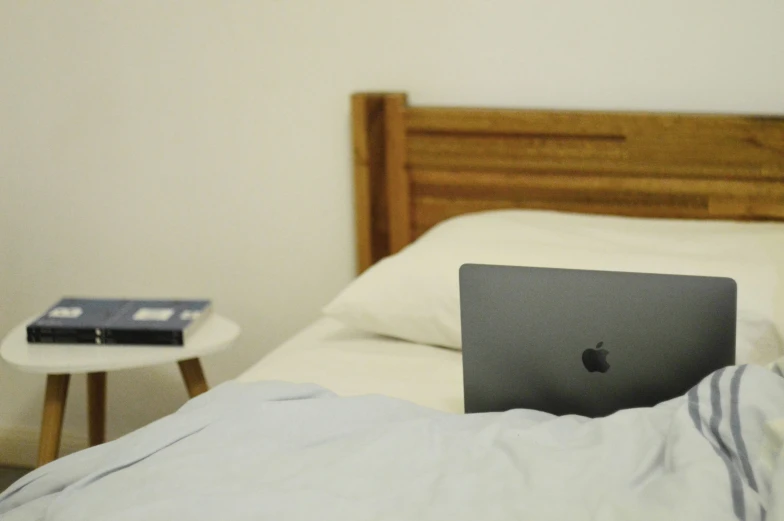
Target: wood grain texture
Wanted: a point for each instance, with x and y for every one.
(362, 184)
(52, 422)
(96, 408)
(459, 160)
(370, 179)
(398, 181)
(193, 375)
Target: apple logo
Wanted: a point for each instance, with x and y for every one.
(595, 360)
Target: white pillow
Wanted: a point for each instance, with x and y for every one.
(414, 295)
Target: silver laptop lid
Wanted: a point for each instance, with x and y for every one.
(589, 342)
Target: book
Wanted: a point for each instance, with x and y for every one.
(74, 321)
(156, 322)
(119, 321)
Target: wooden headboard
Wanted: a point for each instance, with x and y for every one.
(416, 166)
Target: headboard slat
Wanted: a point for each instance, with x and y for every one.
(590, 167)
(583, 123)
(500, 185)
(370, 179)
(398, 183)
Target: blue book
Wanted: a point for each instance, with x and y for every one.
(156, 322)
(119, 321)
(74, 321)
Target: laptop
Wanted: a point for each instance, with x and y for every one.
(589, 342)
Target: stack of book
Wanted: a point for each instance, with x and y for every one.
(119, 321)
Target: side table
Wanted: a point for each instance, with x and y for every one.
(60, 361)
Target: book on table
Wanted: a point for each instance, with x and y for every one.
(119, 322)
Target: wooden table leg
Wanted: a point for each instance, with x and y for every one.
(193, 376)
(96, 407)
(52, 423)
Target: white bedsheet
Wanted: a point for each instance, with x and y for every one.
(352, 363)
(284, 451)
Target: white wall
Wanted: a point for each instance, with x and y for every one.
(202, 147)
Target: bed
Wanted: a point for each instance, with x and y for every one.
(415, 167)
(358, 417)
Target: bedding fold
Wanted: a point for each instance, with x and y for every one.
(274, 450)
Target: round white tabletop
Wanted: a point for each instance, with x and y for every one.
(216, 334)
